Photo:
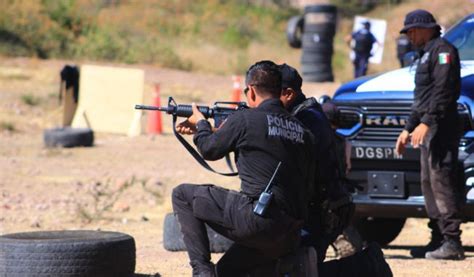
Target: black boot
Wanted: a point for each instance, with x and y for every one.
(435, 242)
(451, 249)
(368, 262)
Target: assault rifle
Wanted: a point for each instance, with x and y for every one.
(219, 112)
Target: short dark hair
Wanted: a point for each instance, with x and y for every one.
(290, 78)
(266, 76)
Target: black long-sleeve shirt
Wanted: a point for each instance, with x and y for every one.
(260, 138)
(437, 85)
(327, 165)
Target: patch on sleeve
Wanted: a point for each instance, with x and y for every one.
(444, 58)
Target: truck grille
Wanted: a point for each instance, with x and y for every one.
(382, 121)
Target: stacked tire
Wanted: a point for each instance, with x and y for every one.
(314, 32)
(317, 43)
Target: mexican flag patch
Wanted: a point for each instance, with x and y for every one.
(444, 58)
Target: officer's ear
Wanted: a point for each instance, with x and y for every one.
(288, 95)
(251, 96)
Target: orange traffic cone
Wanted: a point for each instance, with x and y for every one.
(154, 117)
(236, 90)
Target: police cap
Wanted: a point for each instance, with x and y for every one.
(419, 19)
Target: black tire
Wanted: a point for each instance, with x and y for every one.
(314, 41)
(68, 137)
(323, 28)
(294, 31)
(381, 230)
(173, 238)
(318, 51)
(319, 69)
(320, 9)
(318, 77)
(310, 58)
(67, 253)
(348, 243)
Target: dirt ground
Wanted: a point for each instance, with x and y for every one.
(57, 189)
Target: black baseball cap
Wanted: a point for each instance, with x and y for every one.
(419, 19)
(290, 78)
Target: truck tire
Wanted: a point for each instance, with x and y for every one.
(381, 230)
(68, 137)
(173, 238)
(294, 30)
(67, 253)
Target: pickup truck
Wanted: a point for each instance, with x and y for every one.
(373, 112)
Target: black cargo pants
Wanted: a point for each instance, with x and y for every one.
(258, 240)
(440, 182)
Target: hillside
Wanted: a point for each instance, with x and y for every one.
(221, 37)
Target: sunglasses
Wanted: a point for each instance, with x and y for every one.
(246, 90)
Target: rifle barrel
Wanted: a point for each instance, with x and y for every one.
(152, 108)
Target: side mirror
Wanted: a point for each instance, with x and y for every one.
(409, 58)
(323, 99)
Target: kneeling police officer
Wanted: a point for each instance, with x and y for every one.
(261, 137)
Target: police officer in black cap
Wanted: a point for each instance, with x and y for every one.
(260, 137)
(433, 126)
(331, 209)
(310, 113)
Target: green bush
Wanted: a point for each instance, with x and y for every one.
(30, 99)
(350, 8)
(118, 31)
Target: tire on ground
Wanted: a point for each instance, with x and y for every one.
(381, 230)
(173, 238)
(68, 137)
(294, 30)
(67, 253)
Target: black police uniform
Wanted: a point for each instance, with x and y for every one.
(320, 231)
(364, 41)
(260, 137)
(437, 89)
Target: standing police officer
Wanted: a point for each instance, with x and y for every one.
(260, 137)
(433, 127)
(364, 41)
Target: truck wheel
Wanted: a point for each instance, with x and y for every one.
(67, 253)
(173, 238)
(381, 230)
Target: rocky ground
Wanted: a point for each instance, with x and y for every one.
(57, 189)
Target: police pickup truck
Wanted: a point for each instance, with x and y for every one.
(373, 112)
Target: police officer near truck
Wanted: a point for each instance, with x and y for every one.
(433, 128)
(331, 210)
(261, 138)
